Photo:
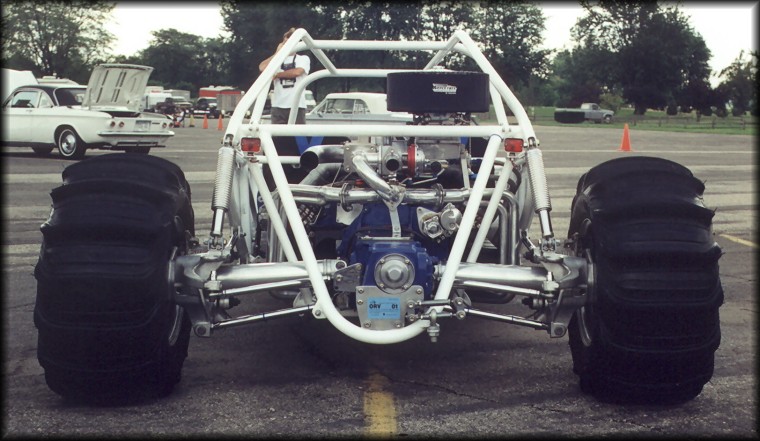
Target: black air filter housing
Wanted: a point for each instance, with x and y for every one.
(438, 92)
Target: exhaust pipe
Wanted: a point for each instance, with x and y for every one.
(321, 154)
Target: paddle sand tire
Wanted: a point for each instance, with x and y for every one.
(649, 330)
(109, 330)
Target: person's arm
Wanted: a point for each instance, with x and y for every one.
(290, 73)
(263, 65)
(303, 65)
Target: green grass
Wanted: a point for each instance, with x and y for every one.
(653, 120)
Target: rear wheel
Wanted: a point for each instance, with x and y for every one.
(649, 330)
(109, 330)
(69, 144)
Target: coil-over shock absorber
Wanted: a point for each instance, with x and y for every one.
(220, 202)
(540, 190)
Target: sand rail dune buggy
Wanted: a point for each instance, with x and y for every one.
(386, 237)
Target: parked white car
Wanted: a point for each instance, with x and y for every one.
(311, 103)
(103, 115)
(356, 108)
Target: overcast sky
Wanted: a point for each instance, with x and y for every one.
(727, 27)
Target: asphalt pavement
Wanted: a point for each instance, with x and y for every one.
(301, 377)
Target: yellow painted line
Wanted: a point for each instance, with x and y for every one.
(739, 240)
(379, 408)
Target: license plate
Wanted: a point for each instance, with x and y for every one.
(384, 308)
(142, 126)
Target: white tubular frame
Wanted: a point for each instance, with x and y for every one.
(460, 42)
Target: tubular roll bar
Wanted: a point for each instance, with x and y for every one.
(461, 43)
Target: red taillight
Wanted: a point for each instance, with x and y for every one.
(513, 145)
(250, 145)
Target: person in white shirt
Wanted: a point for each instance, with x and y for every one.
(293, 70)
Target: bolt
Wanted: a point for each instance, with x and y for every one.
(410, 304)
(359, 301)
(338, 278)
(381, 285)
(461, 315)
(459, 301)
(405, 287)
(406, 261)
(317, 312)
(398, 324)
(360, 290)
(431, 228)
(419, 291)
(367, 324)
(382, 261)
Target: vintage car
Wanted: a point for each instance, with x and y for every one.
(311, 103)
(356, 108)
(103, 115)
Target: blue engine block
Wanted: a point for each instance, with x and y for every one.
(368, 239)
(369, 252)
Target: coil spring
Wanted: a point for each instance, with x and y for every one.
(537, 176)
(225, 163)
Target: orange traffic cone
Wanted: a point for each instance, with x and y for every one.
(220, 126)
(625, 144)
(205, 121)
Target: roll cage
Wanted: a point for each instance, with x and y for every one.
(252, 180)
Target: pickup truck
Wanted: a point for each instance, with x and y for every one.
(587, 112)
(206, 106)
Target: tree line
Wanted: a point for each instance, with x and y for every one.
(643, 54)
